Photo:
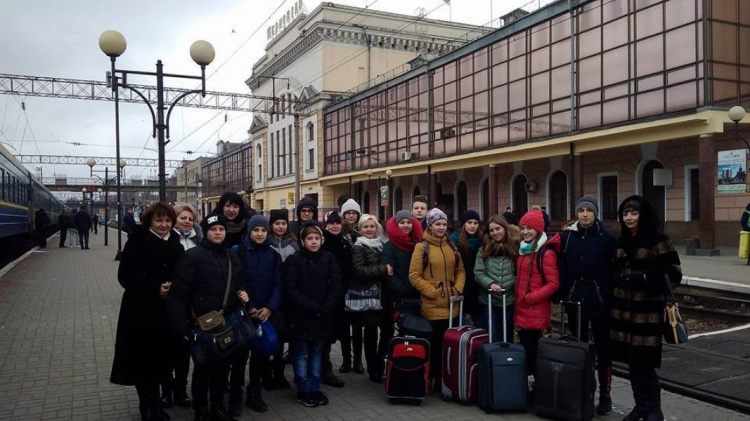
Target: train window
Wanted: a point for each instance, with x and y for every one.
(2, 184)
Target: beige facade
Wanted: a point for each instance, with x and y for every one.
(311, 58)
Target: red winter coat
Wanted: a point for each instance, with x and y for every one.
(532, 308)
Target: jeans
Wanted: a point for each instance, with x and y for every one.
(73, 236)
(482, 322)
(84, 235)
(306, 360)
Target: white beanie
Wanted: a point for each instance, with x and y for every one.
(351, 205)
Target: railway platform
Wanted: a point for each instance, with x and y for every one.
(58, 316)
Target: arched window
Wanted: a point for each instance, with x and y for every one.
(485, 199)
(415, 191)
(398, 200)
(462, 195)
(259, 160)
(310, 132)
(558, 196)
(520, 195)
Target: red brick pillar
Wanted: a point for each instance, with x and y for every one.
(492, 187)
(707, 171)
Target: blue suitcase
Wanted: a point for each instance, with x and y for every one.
(503, 384)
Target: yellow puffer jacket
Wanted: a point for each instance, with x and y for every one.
(434, 280)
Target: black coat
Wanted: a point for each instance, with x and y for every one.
(342, 251)
(586, 262)
(147, 262)
(312, 294)
(367, 270)
(261, 273)
(199, 285)
(82, 220)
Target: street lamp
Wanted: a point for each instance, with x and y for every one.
(91, 162)
(736, 114)
(84, 190)
(113, 44)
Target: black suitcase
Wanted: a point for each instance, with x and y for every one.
(565, 380)
(503, 383)
(407, 370)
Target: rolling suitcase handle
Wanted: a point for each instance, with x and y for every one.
(489, 314)
(460, 299)
(562, 318)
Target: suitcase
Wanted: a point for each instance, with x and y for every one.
(565, 380)
(407, 370)
(503, 383)
(460, 358)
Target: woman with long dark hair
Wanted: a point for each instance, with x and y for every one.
(468, 239)
(646, 262)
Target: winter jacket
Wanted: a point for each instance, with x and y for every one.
(397, 252)
(532, 301)
(471, 290)
(82, 220)
(147, 262)
(586, 264)
(199, 285)
(644, 263)
(64, 221)
(189, 241)
(342, 251)
(261, 273)
(312, 294)
(367, 270)
(305, 202)
(444, 270)
(285, 247)
(499, 270)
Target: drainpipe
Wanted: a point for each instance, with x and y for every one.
(368, 41)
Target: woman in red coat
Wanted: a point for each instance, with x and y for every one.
(534, 289)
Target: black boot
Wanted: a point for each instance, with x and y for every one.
(235, 401)
(330, 379)
(181, 397)
(358, 367)
(654, 403)
(279, 381)
(346, 366)
(145, 408)
(157, 412)
(202, 414)
(166, 400)
(254, 398)
(219, 413)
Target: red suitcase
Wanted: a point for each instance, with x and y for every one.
(461, 359)
(407, 370)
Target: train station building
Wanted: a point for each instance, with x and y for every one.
(604, 98)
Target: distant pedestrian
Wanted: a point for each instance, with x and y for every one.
(64, 223)
(145, 272)
(745, 219)
(73, 239)
(128, 222)
(546, 218)
(510, 216)
(312, 291)
(82, 221)
(95, 223)
(646, 261)
(41, 222)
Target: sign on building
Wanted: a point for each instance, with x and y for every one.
(732, 171)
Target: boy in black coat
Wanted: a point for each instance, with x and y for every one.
(312, 293)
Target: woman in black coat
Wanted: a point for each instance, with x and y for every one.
(145, 271)
(233, 208)
(646, 261)
(312, 293)
(200, 283)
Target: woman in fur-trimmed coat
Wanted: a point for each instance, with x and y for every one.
(646, 261)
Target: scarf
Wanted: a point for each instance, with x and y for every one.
(526, 247)
(233, 227)
(183, 234)
(373, 243)
(402, 240)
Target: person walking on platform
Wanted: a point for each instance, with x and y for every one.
(95, 224)
(468, 239)
(82, 221)
(232, 207)
(283, 242)
(438, 274)
(146, 269)
(64, 223)
(537, 279)
(199, 287)
(335, 243)
(174, 389)
(495, 268)
(312, 292)
(646, 261)
(586, 264)
(261, 279)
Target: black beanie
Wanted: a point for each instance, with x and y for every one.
(278, 214)
(332, 217)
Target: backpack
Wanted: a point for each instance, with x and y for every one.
(426, 252)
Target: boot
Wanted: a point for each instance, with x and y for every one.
(279, 381)
(358, 367)
(654, 404)
(605, 404)
(235, 401)
(330, 379)
(166, 400)
(201, 414)
(219, 413)
(145, 409)
(157, 412)
(346, 366)
(181, 397)
(254, 398)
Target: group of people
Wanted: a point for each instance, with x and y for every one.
(75, 227)
(342, 277)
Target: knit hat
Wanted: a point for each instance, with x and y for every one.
(258, 221)
(351, 205)
(433, 215)
(310, 226)
(588, 202)
(278, 214)
(468, 216)
(333, 217)
(533, 219)
(403, 214)
(214, 220)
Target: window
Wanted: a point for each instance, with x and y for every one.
(282, 156)
(520, 197)
(310, 132)
(270, 160)
(558, 196)
(292, 149)
(259, 157)
(311, 159)
(462, 194)
(608, 204)
(2, 184)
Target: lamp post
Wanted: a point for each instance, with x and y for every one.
(388, 201)
(84, 190)
(113, 44)
(91, 162)
(736, 114)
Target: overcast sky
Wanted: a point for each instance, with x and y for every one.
(59, 39)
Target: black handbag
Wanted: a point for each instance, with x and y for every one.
(212, 342)
(675, 331)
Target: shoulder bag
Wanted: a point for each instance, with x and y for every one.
(675, 331)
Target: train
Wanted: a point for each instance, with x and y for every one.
(21, 195)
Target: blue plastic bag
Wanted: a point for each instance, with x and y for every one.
(266, 341)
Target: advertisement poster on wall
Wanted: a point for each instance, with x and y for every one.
(732, 171)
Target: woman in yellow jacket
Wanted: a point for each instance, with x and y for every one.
(437, 273)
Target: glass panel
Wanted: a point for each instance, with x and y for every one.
(500, 99)
(480, 59)
(649, 104)
(590, 73)
(540, 35)
(500, 74)
(561, 53)
(725, 10)
(481, 105)
(681, 46)
(517, 45)
(614, 9)
(681, 97)
(540, 60)
(616, 33)
(560, 28)
(467, 86)
(724, 42)
(615, 65)
(589, 43)
(517, 95)
(679, 12)
(450, 92)
(648, 22)
(540, 88)
(467, 66)
(560, 123)
(480, 81)
(560, 82)
(615, 111)
(650, 56)
(517, 68)
(500, 52)
(500, 135)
